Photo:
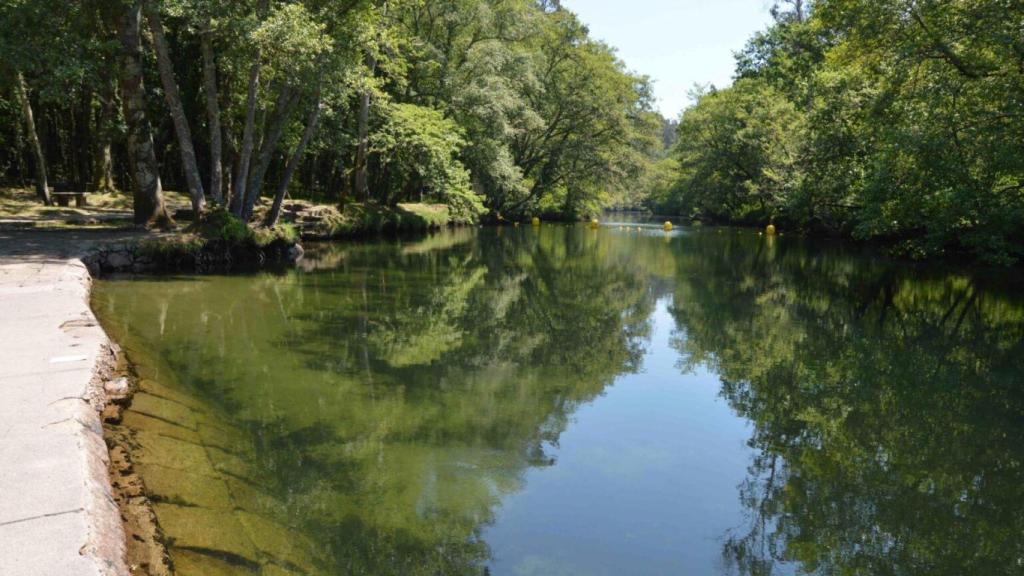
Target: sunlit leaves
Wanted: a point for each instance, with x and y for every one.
(418, 150)
(909, 114)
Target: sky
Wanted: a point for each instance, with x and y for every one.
(678, 43)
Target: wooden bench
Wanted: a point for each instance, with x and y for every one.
(64, 198)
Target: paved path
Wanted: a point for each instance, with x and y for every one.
(57, 517)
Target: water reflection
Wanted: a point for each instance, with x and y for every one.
(887, 404)
(397, 396)
(394, 396)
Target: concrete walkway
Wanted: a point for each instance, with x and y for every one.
(57, 516)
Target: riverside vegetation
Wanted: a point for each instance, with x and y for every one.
(500, 107)
(895, 120)
(891, 120)
(544, 399)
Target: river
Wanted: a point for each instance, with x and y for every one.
(568, 401)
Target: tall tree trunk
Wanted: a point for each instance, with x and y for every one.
(42, 190)
(173, 98)
(363, 148)
(84, 136)
(278, 117)
(212, 113)
(103, 160)
(248, 140)
(238, 198)
(231, 161)
(293, 163)
(147, 192)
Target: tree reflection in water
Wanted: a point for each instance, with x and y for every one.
(395, 395)
(887, 404)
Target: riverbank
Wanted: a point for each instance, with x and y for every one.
(79, 492)
(910, 246)
(58, 515)
(71, 439)
(19, 209)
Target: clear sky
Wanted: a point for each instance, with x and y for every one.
(676, 42)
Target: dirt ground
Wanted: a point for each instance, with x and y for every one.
(20, 207)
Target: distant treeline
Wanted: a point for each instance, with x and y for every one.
(899, 120)
(505, 106)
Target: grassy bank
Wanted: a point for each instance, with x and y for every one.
(20, 206)
(324, 222)
(219, 242)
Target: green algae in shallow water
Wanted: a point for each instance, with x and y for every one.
(558, 401)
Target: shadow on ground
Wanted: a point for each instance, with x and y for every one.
(55, 244)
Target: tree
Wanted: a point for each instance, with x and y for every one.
(249, 131)
(549, 119)
(418, 150)
(737, 154)
(213, 113)
(293, 163)
(147, 191)
(42, 190)
(902, 117)
(173, 98)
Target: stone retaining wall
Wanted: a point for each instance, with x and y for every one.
(154, 255)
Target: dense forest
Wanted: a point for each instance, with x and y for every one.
(505, 107)
(896, 120)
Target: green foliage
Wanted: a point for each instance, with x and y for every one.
(432, 216)
(658, 185)
(418, 149)
(361, 219)
(172, 247)
(483, 105)
(889, 120)
(282, 233)
(897, 121)
(223, 226)
(226, 229)
(291, 39)
(737, 154)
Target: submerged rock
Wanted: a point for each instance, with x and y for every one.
(194, 466)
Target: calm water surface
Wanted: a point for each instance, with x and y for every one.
(565, 401)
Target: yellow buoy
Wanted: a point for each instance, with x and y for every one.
(770, 230)
(667, 226)
(535, 221)
(594, 224)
